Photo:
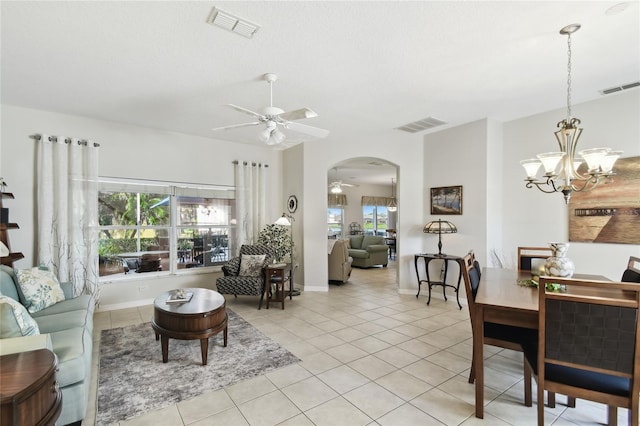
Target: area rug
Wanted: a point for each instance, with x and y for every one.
(133, 380)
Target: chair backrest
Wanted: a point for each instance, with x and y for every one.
(592, 326)
(632, 273)
(526, 254)
(258, 249)
(471, 272)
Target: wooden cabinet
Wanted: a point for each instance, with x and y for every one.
(4, 234)
(29, 391)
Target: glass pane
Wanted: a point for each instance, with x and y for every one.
(131, 208)
(126, 250)
(202, 246)
(334, 222)
(368, 215)
(204, 211)
(382, 220)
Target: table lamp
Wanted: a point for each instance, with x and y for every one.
(440, 227)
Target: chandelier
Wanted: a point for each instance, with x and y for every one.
(561, 168)
(393, 204)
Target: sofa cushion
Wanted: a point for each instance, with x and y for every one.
(15, 321)
(251, 265)
(370, 240)
(71, 346)
(79, 303)
(356, 241)
(8, 286)
(359, 254)
(62, 321)
(40, 288)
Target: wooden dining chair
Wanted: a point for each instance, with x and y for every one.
(527, 254)
(500, 335)
(632, 273)
(587, 344)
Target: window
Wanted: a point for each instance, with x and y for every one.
(162, 227)
(335, 222)
(375, 219)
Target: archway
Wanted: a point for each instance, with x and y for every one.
(354, 181)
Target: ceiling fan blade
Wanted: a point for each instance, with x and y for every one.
(298, 114)
(307, 130)
(235, 126)
(246, 111)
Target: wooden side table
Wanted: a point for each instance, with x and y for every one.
(28, 388)
(278, 275)
(446, 258)
(200, 318)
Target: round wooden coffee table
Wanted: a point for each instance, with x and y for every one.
(200, 318)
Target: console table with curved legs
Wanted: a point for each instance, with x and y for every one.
(446, 258)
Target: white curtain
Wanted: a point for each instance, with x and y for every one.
(67, 210)
(251, 204)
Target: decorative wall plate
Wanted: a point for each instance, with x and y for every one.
(292, 204)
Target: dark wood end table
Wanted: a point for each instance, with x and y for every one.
(278, 275)
(428, 257)
(200, 318)
(29, 390)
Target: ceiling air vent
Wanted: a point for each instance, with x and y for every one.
(620, 88)
(420, 125)
(225, 20)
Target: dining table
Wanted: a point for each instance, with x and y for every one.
(500, 299)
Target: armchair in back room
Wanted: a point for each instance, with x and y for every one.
(339, 261)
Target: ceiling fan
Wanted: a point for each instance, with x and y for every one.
(274, 118)
(335, 187)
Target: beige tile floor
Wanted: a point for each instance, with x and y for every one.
(369, 357)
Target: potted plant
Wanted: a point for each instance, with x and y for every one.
(277, 237)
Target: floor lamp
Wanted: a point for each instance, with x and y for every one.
(287, 220)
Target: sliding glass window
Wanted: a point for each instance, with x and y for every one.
(162, 227)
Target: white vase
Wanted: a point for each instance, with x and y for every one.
(559, 265)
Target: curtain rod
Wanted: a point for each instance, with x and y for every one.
(236, 162)
(82, 142)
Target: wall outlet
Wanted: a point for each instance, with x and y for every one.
(143, 287)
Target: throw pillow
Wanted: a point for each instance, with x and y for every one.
(40, 287)
(251, 265)
(16, 321)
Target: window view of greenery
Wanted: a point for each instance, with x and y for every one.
(335, 222)
(376, 220)
(137, 233)
(203, 231)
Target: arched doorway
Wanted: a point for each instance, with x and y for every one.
(360, 191)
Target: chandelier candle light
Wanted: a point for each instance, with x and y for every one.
(440, 227)
(561, 168)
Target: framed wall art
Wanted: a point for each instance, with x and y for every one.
(611, 212)
(446, 200)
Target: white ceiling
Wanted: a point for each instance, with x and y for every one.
(364, 67)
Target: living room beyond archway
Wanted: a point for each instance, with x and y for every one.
(362, 212)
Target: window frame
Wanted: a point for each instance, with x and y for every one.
(173, 191)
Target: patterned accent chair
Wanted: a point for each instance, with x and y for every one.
(234, 283)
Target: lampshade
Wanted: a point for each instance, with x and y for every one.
(283, 220)
(440, 227)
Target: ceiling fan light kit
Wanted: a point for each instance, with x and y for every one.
(274, 117)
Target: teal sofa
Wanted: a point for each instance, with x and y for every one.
(368, 251)
(69, 328)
